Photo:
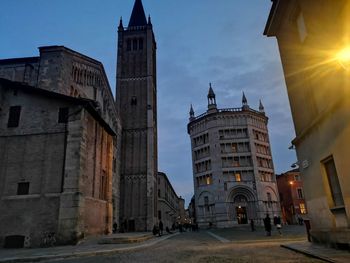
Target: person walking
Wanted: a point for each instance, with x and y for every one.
(252, 226)
(278, 224)
(267, 225)
(160, 228)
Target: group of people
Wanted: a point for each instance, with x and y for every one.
(276, 221)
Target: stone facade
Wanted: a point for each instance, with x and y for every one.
(56, 158)
(233, 173)
(168, 202)
(137, 104)
(310, 34)
(65, 71)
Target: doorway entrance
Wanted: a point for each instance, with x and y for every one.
(241, 213)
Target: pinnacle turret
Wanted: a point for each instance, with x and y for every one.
(261, 107)
(211, 98)
(121, 27)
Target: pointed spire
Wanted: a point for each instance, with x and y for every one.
(244, 100)
(191, 111)
(138, 17)
(121, 27)
(211, 99)
(149, 20)
(261, 107)
(211, 93)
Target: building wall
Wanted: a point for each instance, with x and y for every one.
(318, 92)
(34, 153)
(55, 159)
(168, 205)
(218, 138)
(137, 104)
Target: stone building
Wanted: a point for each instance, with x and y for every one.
(137, 104)
(56, 167)
(314, 47)
(168, 201)
(290, 187)
(233, 173)
(81, 157)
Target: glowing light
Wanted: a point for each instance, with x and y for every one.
(291, 182)
(343, 57)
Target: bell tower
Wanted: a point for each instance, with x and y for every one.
(137, 104)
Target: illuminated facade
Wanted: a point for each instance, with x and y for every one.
(310, 34)
(233, 172)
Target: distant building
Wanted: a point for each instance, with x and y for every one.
(56, 167)
(233, 172)
(290, 187)
(311, 35)
(137, 104)
(168, 201)
(182, 213)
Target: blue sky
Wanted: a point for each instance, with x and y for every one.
(199, 41)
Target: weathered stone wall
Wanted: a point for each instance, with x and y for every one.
(34, 153)
(21, 70)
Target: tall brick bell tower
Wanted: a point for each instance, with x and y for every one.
(137, 105)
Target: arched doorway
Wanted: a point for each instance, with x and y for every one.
(241, 204)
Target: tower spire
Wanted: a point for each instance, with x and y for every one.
(191, 113)
(211, 98)
(138, 17)
(245, 105)
(244, 100)
(261, 107)
(121, 27)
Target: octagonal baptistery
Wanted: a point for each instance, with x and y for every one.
(233, 174)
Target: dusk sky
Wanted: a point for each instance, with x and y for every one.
(198, 41)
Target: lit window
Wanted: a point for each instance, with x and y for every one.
(238, 177)
(208, 180)
(302, 208)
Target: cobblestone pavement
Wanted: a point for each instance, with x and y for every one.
(204, 247)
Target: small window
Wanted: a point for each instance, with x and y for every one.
(133, 101)
(63, 115)
(14, 116)
(158, 192)
(334, 182)
(128, 45)
(23, 188)
(134, 44)
(300, 193)
(159, 214)
(140, 43)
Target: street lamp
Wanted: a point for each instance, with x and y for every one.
(343, 57)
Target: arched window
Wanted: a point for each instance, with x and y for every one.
(128, 45)
(140, 43)
(134, 44)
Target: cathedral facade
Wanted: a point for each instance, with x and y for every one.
(233, 174)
